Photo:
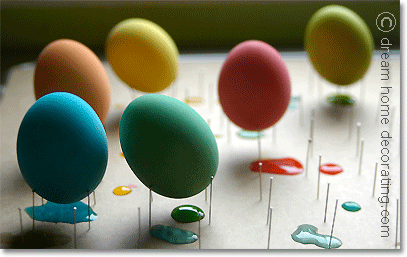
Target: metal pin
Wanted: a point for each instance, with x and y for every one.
(311, 80)
(21, 220)
(333, 223)
(319, 175)
(139, 226)
(149, 210)
(311, 134)
(308, 153)
(42, 201)
(357, 137)
(211, 93)
(174, 90)
(320, 89)
(221, 119)
(301, 112)
(33, 212)
(271, 212)
(229, 133)
(326, 202)
(199, 229)
(151, 195)
(89, 209)
(261, 193)
(201, 78)
(362, 91)
(351, 118)
(274, 131)
(361, 156)
(397, 222)
(375, 177)
(210, 201)
(74, 226)
(268, 208)
(94, 197)
(206, 194)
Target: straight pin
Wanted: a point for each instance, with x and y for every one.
(174, 90)
(308, 153)
(210, 100)
(210, 201)
(375, 177)
(261, 193)
(333, 223)
(221, 119)
(362, 91)
(229, 133)
(139, 226)
(326, 202)
(149, 210)
(206, 194)
(301, 112)
(94, 197)
(89, 209)
(312, 133)
(357, 137)
(361, 156)
(199, 229)
(74, 226)
(397, 222)
(268, 208)
(271, 212)
(21, 220)
(33, 212)
(42, 201)
(311, 81)
(351, 118)
(319, 175)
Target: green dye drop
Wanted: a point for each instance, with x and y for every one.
(307, 234)
(351, 206)
(341, 100)
(173, 235)
(187, 213)
(250, 134)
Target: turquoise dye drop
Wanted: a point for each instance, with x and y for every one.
(55, 212)
(351, 206)
(250, 134)
(187, 213)
(307, 234)
(173, 235)
(294, 102)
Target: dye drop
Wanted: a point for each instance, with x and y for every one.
(285, 166)
(330, 169)
(307, 234)
(173, 235)
(187, 213)
(351, 206)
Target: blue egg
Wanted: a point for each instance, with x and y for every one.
(62, 148)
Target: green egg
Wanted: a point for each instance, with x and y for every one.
(168, 145)
(339, 43)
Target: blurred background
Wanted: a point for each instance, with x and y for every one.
(196, 27)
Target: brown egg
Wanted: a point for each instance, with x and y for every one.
(69, 66)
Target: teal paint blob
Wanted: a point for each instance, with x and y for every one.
(187, 213)
(351, 206)
(341, 100)
(64, 213)
(62, 148)
(173, 235)
(250, 134)
(307, 234)
(168, 146)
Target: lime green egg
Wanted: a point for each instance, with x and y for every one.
(339, 44)
(168, 145)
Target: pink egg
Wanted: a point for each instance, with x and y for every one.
(254, 85)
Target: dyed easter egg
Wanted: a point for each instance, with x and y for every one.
(62, 148)
(69, 66)
(339, 44)
(254, 85)
(142, 54)
(168, 145)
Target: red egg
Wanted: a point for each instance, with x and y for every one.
(254, 85)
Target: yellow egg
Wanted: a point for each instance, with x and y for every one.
(142, 54)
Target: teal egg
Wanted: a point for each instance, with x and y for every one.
(168, 145)
(62, 148)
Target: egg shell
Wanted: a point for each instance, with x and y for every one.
(340, 44)
(142, 54)
(254, 85)
(62, 148)
(168, 145)
(69, 66)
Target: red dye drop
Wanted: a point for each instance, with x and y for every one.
(285, 166)
(330, 169)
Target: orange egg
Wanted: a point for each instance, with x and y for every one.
(69, 66)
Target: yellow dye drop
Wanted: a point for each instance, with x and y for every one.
(122, 190)
(193, 100)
